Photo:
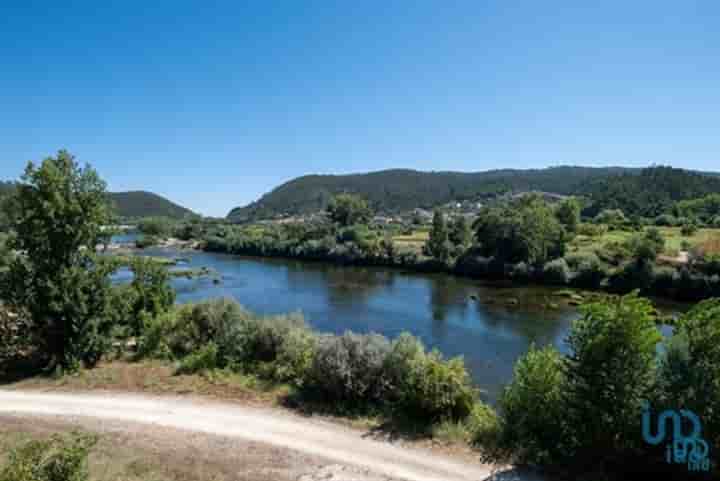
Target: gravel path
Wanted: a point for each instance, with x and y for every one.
(350, 455)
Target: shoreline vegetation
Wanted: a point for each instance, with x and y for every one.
(570, 414)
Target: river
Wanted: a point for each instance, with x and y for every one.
(489, 326)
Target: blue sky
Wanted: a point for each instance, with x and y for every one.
(214, 103)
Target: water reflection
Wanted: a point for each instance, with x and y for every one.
(457, 316)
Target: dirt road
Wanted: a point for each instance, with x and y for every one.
(273, 427)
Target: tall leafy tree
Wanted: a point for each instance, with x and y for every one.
(57, 213)
(524, 231)
(568, 213)
(610, 373)
(438, 245)
(348, 209)
(460, 233)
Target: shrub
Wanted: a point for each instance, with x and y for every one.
(59, 458)
(592, 230)
(279, 348)
(521, 271)
(14, 341)
(667, 220)
(204, 359)
(589, 273)
(437, 388)
(349, 369)
(533, 409)
(154, 343)
(486, 428)
(150, 291)
(613, 253)
(146, 241)
(155, 227)
(426, 386)
(196, 325)
(611, 217)
(556, 272)
(688, 229)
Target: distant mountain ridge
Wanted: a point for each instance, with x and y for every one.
(637, 191)
(146, 204)
(132, 204)
(404, 189)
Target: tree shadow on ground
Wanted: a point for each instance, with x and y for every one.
(517, 474)
(16, 370)
(381, 423)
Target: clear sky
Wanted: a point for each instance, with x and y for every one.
(214, 103)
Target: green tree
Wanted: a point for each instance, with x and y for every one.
(438, 245)
(57, 212)
(568, 213)
(690, 373)
(156, 226)
(524, 231)
(610, 372)
(150, 290)
(348, 209)
(533, 409)
(611, 217)
(461, 234)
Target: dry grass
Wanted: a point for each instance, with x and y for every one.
(158, 377)
(151, 453)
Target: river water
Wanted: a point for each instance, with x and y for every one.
(489, 326)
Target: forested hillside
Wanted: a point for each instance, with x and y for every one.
(132, 204)
(398, 190)
(653, 192)
(647, 192)
(146, 204)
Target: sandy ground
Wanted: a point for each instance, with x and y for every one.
(276, 445)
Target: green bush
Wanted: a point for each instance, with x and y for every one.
(146, 241)
(154, 343)
(589, 273)
(280, 348)
(688, 229)
(158, 227)
(150, 291)
(534, 411)
(14, 340)
(196, 325)
(59, 458)
(426, 386)
(437, 388)
(204, 359)
(667, 220)
(349, 369)
(556, 272)
(592, 230)
(611, 217)
(486, 427)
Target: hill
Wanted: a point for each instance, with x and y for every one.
(399, 190)
(653, 192)
(132, 204)
(146, 204)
